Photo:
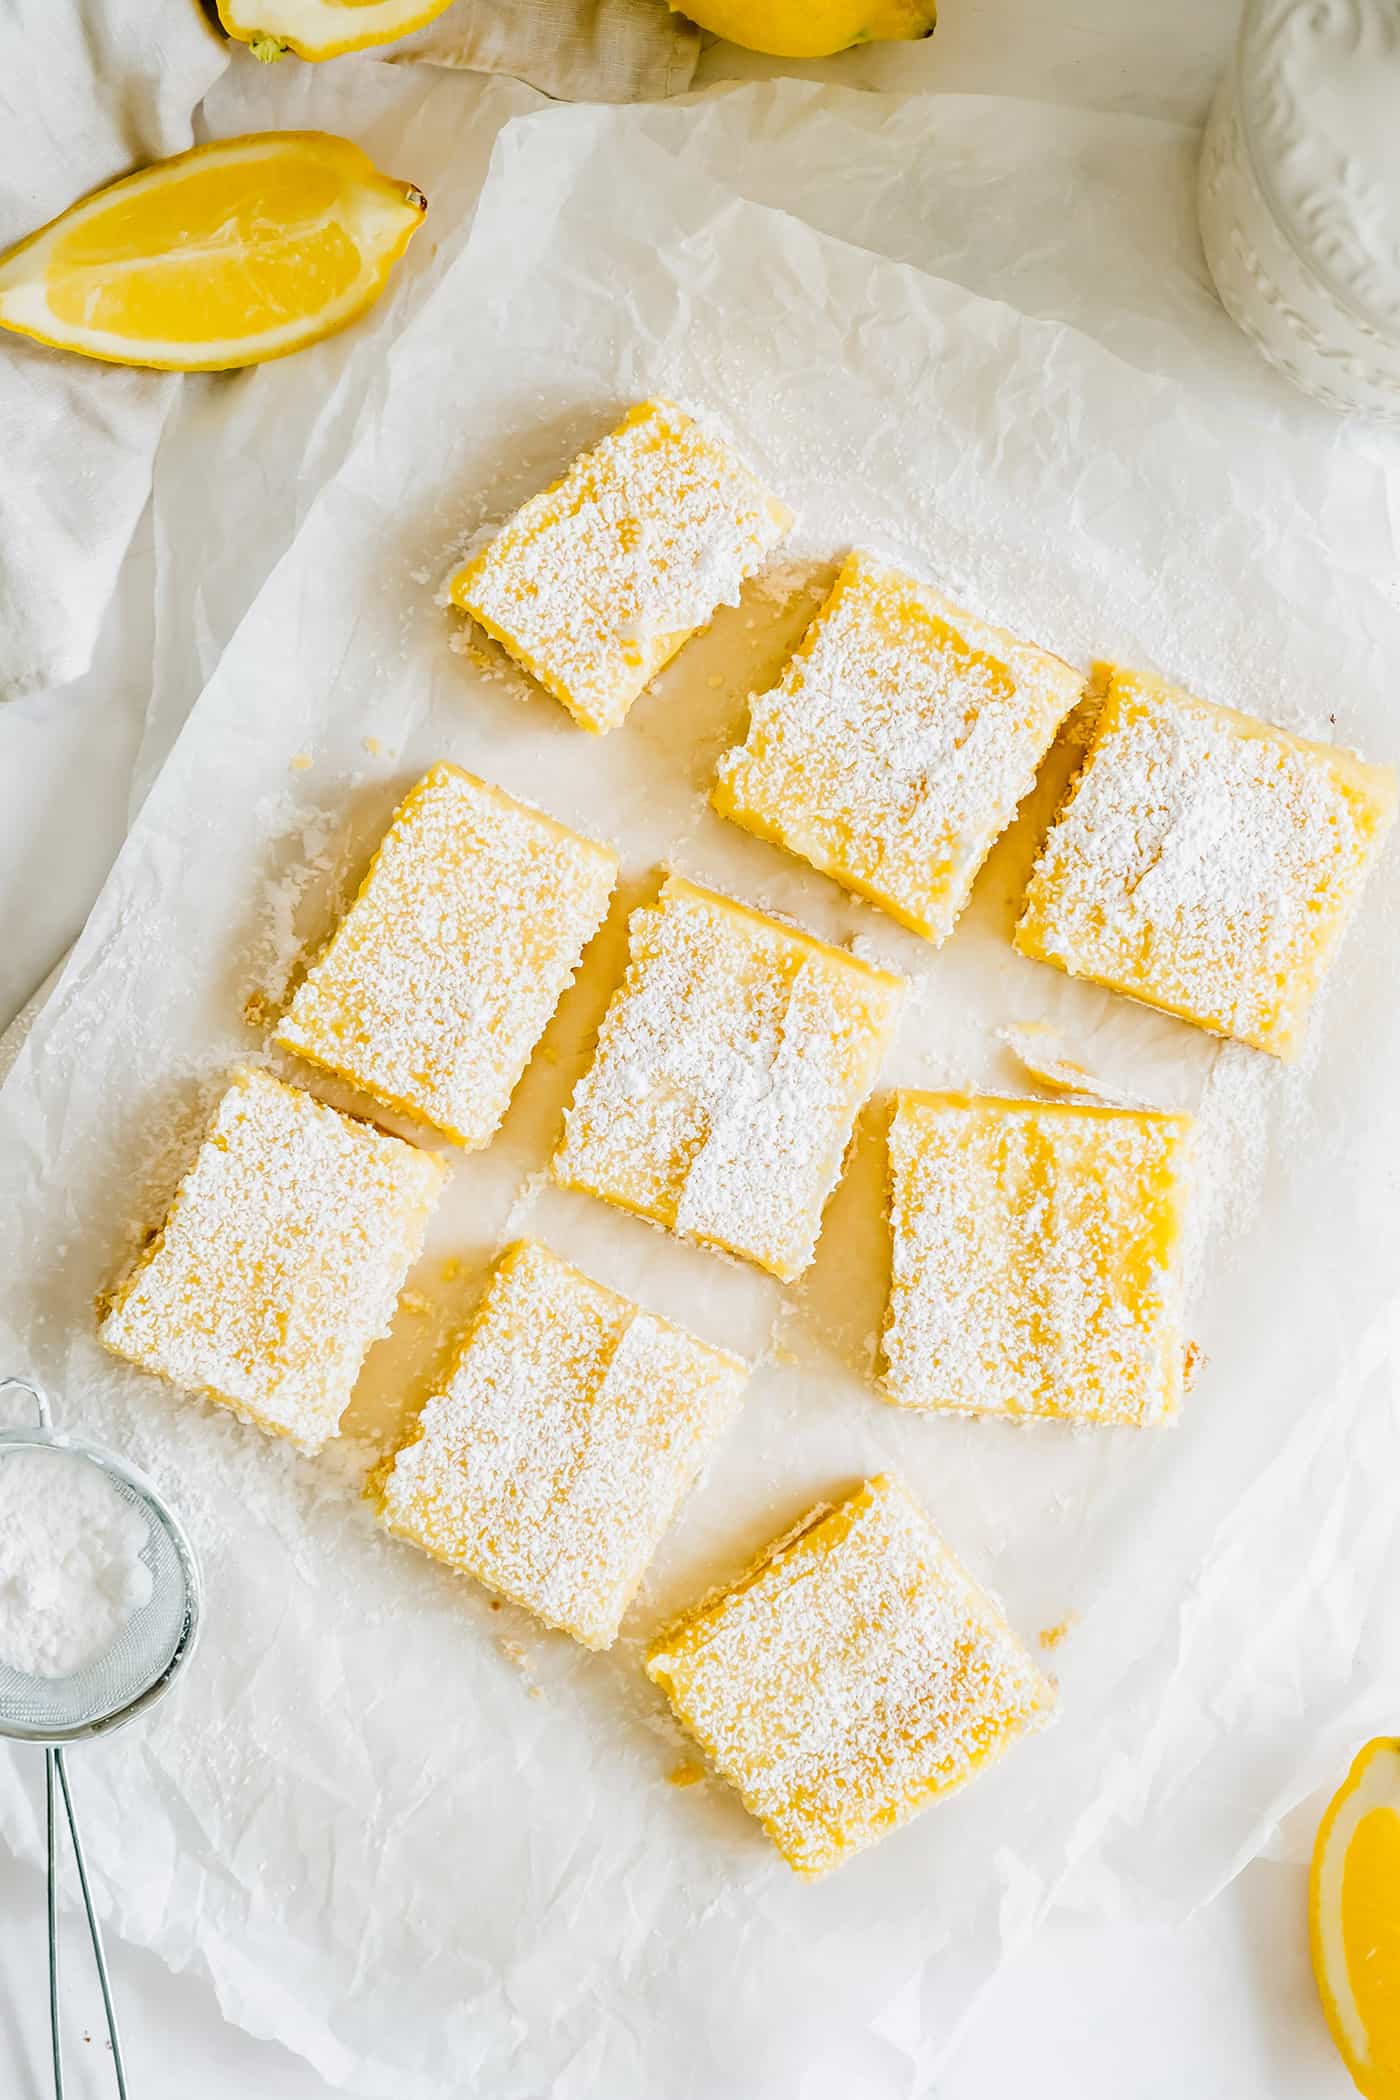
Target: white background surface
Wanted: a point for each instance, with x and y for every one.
(1222, 2006)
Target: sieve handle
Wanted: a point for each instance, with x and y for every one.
(57, 1766)
(41, 1405)
(56, 1773)
(56, 1776)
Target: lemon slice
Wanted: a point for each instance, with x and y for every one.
(1355, 1918)
(322, 28)
(226, 255)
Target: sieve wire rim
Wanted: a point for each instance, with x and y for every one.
(46, 1439)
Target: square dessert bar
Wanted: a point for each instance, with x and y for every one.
(731, 1065)
(894, 749)
(1205, 863)
(851, 1676)
(1037, 1258)
(443, 974)
(596, 583)
(570, 1427)
(280, 1261)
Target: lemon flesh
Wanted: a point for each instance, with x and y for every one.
(1355, 1919)
(810, 28)
(227, 255)
(317, 29)
(1371, 1933)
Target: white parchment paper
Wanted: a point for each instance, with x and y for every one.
(409, 1835)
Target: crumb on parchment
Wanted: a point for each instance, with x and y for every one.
(1053, 1636)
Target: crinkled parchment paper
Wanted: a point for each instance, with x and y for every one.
(429, 1846)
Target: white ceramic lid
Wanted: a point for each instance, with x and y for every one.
(1319, 94)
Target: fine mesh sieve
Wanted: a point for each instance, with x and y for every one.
(129, 1675)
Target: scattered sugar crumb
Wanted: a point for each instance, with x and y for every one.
(260, 1010)
(1052, 1636)
(685, 1774)
(451, 1269)
(1041, 1054)
(300, 761)
(373, 746)
(415, 1302)
(864, 949)
(781, 1354)
(514, 1652)
(782, 581)
(1193, 1362)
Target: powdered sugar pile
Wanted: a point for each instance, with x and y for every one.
(71, 1572)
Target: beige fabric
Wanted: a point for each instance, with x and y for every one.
(575, 50)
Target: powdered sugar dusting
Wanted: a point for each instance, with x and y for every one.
(898, 743)
(443, 975)
(855, 1674)
(280, 1261)
(596, 582)
(556, 1455)
(1205, 863)
(730, 1069)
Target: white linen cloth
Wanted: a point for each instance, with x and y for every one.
(87, 90)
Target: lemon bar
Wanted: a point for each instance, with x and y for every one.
(597, 582)
(280, 1260)
(894, 749)
(851, 1676)
(731, 1065)
(1037, 1258)
(569, 1428)
(443, 974)
(1205, 863)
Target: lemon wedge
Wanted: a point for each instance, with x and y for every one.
(1354, 1912)
(810, 28)
(322, 28)
(227, 255)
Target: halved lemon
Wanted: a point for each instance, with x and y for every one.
(1354, 1912)
(323, 28)
(227, 255)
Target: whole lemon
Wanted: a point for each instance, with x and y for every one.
(810, 28)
